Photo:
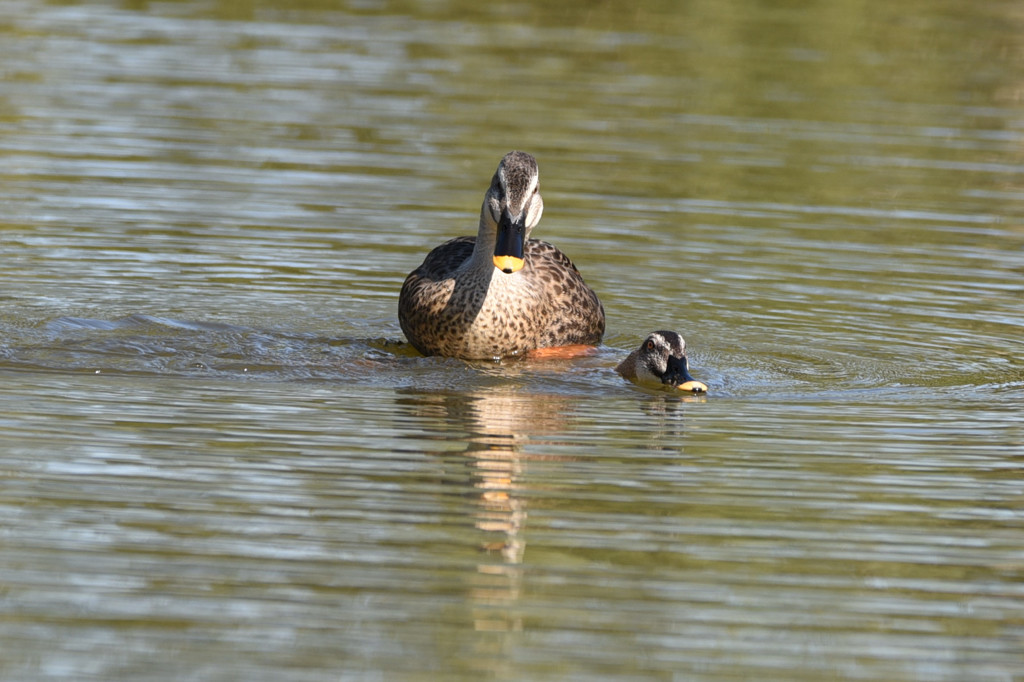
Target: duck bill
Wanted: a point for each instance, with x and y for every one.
(678, 376)
(510, 244)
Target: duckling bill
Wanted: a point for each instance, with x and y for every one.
(501, 293)
(660, 362)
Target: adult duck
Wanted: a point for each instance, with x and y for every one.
(500, 294)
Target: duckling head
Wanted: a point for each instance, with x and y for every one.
(512, 207)
(661, 362)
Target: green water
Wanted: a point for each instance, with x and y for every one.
(219, 461)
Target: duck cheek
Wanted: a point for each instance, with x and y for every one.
(646, 377)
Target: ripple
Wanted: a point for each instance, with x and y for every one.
(221, 461)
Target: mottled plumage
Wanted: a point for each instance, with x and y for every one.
(500, 293)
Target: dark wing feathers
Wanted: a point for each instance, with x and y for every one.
(442, 261)
(579, 318)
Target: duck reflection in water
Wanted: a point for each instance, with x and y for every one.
(502, 428)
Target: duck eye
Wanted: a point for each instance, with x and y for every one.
(650, 344)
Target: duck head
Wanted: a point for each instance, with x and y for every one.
(512, 207)
(660, 362)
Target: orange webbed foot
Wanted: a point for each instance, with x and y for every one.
(562, 352)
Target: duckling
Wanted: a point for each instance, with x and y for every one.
(661, 362)
(500, 294)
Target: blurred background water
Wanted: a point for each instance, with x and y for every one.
(220, 461)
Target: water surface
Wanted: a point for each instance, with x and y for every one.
(221, 461)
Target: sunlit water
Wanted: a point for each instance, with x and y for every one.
(220, 460)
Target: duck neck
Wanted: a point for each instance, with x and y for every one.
(483, 250)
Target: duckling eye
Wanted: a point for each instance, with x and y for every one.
(650, 344)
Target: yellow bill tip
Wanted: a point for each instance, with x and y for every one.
(509, 264)
(693, 387)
